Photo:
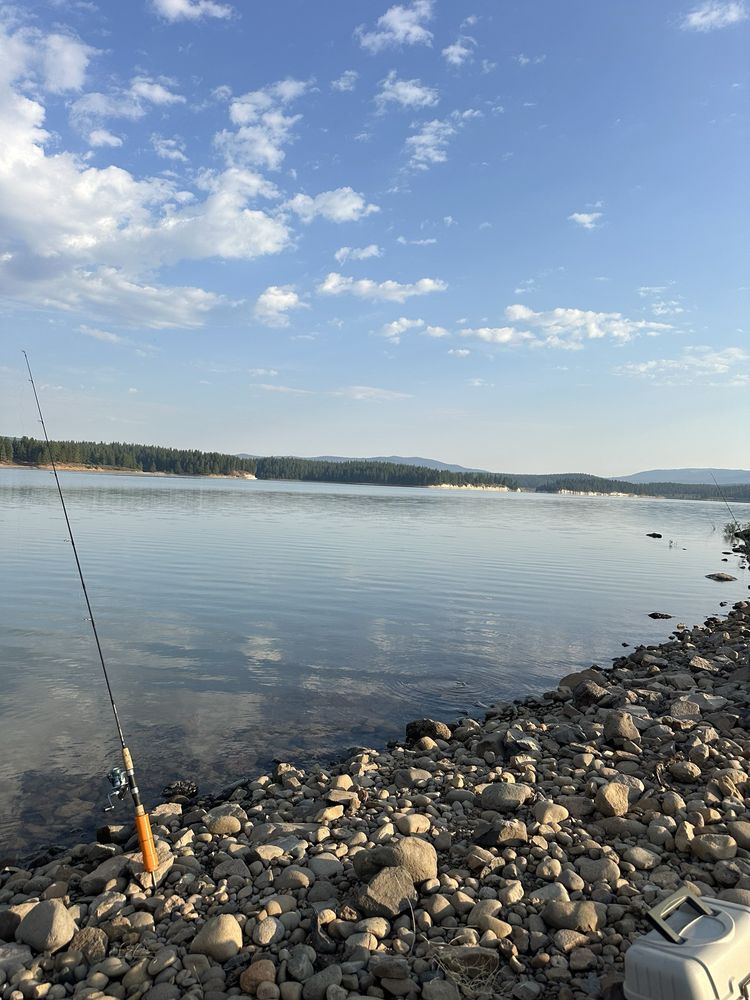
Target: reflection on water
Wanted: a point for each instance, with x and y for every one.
(243, 621)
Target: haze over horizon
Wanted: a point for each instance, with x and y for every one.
(511, 237)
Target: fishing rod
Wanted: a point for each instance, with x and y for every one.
(726, 503)
(122, 778)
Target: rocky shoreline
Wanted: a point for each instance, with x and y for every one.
(513, 857)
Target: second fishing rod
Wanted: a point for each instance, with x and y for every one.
(121, 778)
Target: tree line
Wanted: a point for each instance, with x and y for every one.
(116, 455)
(376, 473)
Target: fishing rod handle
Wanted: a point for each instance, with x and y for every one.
(142, 821)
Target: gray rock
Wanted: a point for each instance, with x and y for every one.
(583, 916)
(440, 989)
(503, 833)
(220, 938)
(417, 856)
(618, 727)
(316, 986)
(713, 847)
(601, 870)
(387, 895)
(405, 777)
(92, 942)
(13, 956)
(612, 799)
(427, 727)
(108, 871)
(740, 830)
(48, 927)
(299, 965)
(504, 797)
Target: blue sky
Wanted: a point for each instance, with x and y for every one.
(506, 234)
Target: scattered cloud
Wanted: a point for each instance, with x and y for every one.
(461, 51)
(358, 253)
(155, 91)
(342, 205)
(430, 241)
(104, 335)
(287, 389)
(404, 93)
(586, 220)
(400, 25)
(169, 149)
(704, 365)
(523, 60)
(479, 383)
(103, 137)
(91, 110)
(498, 334)
(662, 304)
(263, 125)
(459, 352)
(262, 372)
(393, 331)
(436, 331)
(191, 10)
(65, 60)
(429, 144)
(715, 14)
(275, 303)
(346, 82)
(369, 392)
(384, 291)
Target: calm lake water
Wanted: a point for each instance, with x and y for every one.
(247, 621)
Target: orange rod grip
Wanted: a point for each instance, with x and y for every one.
(146, 842)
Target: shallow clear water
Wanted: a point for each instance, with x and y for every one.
(247, 621)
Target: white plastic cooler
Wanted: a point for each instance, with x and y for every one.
(699, 950)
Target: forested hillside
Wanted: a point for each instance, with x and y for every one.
(582, 483)
(382, 473)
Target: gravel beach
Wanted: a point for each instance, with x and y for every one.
(513, 857)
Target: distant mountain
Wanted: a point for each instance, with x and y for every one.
(428, 463)
(691, 476)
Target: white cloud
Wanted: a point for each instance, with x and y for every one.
(346, 82)
(342, 205)
(358, 253)
(191, 10)
(103, 137)
(288, 389)
(400, 25)
(715, 14)
(369, 392)
(103, 335)
(436, 331)
(498, 334)
(524, 60)
(263, 126)
(461, 51)
(428, 145)
(730, 365)
(65, 61)
(260, 372)
(393, 331)
(479, 383)
(132, 103)
(570, 327)
(459, 352)
(405, 93)
(384, 291)
(586, 220)
(275, 303)
(169, 149)
(416, 243)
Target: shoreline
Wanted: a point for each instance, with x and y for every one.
(518, 854)
(117, 471)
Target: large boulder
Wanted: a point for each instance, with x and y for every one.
(47, 927)
(505, 797)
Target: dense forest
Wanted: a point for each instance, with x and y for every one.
(379, 473)
(138, 457)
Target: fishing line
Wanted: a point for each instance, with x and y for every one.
(122, 779)
(736, 522)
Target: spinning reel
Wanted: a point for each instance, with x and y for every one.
(118, 779)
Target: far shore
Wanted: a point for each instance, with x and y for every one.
(117, 471)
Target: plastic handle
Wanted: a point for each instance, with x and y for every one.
(658, 914)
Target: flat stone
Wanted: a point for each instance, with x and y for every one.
(92, 942)
(740, 831)
(108, 871)
(600, 870)
(713, 847)
(316, 986)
